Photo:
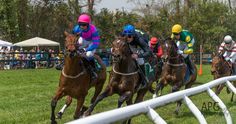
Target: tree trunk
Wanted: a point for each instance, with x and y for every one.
(178, 10)
(230, 6)
(90, 6)
(22, 18)
(186, 12)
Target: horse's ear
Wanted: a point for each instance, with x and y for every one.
(70, 26)
(66, 33)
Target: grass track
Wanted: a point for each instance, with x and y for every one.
(26, 95)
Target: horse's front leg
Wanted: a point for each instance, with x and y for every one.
(67, 104)
(107, 92)
(127, 96)
(98, 89)
(58, 96)
(124, 97)
(219, 88)
(159, 86)
(175, 88)
(80, 102)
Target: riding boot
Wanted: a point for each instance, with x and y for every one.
(92, 69)
(144, 80)
(190, 65)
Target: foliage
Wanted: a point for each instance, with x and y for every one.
(208, 21)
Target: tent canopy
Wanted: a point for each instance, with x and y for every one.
(37, 41)
(5, 43)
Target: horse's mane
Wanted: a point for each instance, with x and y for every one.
(171, 41)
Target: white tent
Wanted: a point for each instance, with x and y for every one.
(37, 41)
(5, 43)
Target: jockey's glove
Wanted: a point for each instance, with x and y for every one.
(227, 58)
(180, 52)
(89, 54)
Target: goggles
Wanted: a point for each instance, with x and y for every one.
(127, 35)
(83, 24)
(176, 33)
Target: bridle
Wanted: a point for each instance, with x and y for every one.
(116, 58)
(71, 54)
(172, 49)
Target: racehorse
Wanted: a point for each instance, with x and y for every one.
(124, 79)
(221, 68)
(75, 79)
(174, 70)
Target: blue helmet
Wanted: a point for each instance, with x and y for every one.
(128, 30)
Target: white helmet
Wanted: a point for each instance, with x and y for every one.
(227, 39)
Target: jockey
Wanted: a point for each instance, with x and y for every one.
(89, 41)
(136, 39)
(156, 47)
(229, 46)
(185, 42)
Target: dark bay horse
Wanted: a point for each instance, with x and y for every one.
(174, 70)
(221, 68)
(75, 79)
(124, 79)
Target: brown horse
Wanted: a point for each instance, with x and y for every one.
(174, 70)
(221, 68)
(75, 79)
(124, 79)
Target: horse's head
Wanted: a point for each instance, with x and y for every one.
(217, 62)
(71, 44)
(169, 49)
(120, 49)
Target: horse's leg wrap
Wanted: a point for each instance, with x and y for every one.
(67, 104)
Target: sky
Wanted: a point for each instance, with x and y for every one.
(114, 4)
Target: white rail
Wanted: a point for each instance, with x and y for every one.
(147, 107)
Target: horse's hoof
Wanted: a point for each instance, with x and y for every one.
(59, 115)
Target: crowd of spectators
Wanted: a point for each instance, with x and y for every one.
(32, 58)
(20, 58)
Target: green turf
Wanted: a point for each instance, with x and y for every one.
(25, 97)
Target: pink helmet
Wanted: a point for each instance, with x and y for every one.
(84, 18)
